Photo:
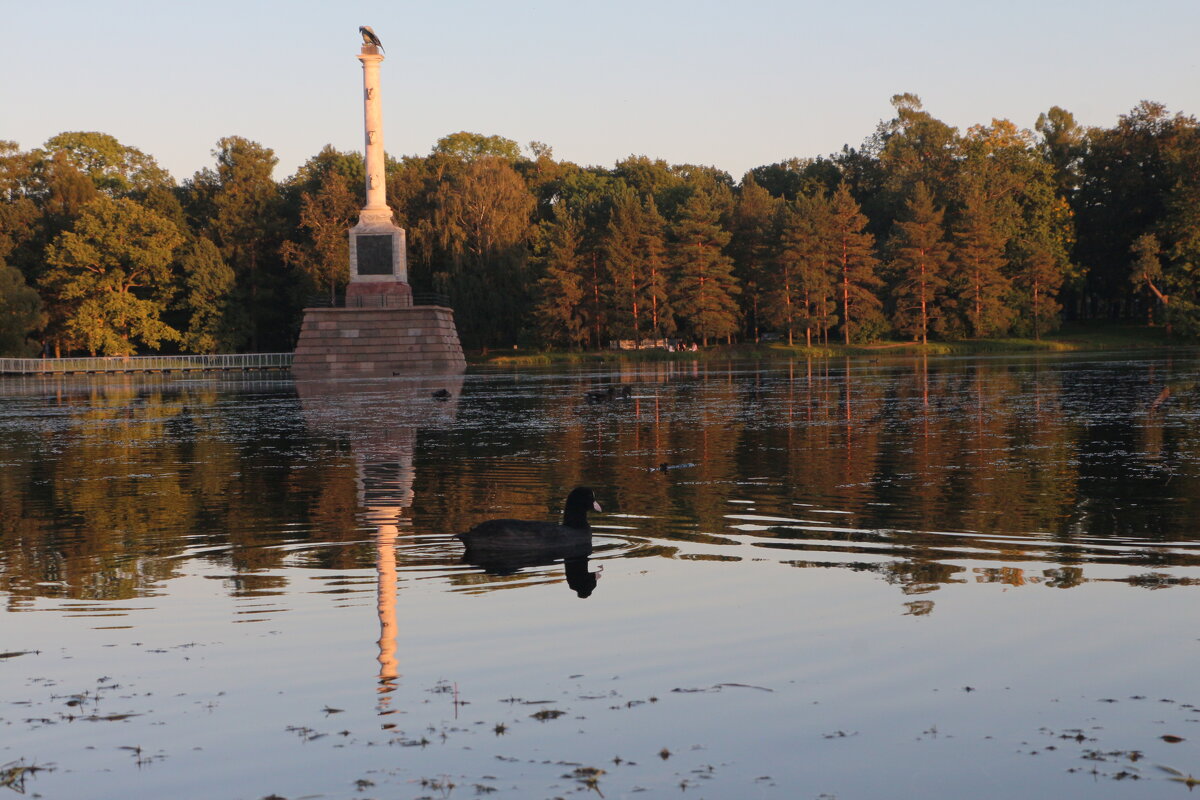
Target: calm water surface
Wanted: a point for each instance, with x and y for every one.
(945, 578)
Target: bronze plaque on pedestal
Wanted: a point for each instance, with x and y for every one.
(374, 253)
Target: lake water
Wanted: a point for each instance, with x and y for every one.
(906, 578)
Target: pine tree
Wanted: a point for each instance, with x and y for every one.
(802, 280)
(854, 253)
(655, 269)
(621, 246)
(753, 246)
(706, 285)
(920, 255)
(981, 286)
(594, 313)
(560, 291)
(1039, 277)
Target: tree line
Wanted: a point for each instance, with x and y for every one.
(922, 232)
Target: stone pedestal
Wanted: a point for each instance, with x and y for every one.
(363, 342)
(379, 295)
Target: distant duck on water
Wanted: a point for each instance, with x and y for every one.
(572, 537)
(611, 393)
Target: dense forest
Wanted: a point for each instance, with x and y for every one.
(923, 232)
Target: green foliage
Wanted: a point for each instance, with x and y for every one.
(795, 177)
(111, 275)
(60, 192)
(240, 208)
(1129, 174)
(470, 146)
(20, 313)
(349, 166)
(1147, 272)
(117, 170)
(477, 234)
(646, 176)
(585, 192)
(915, 147)
(323, 256)
(208, 284)
(1004, 165)
(1063, 145)
(19, 210)
(1181, 229)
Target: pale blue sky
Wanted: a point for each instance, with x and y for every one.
(735, 85)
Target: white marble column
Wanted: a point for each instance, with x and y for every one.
(376, 209)
(378, 258)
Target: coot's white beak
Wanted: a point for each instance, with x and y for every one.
(596, 505)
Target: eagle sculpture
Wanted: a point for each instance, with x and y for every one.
(369, 36)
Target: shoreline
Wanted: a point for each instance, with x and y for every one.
(1078, 337)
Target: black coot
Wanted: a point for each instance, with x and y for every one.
(572, 538)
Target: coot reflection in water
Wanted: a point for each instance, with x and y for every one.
(580, 578)
(505, 546)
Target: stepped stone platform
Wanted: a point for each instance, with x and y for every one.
(358, 342)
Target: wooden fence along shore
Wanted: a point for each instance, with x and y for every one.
(214, 363)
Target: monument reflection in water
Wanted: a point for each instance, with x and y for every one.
(379, 420)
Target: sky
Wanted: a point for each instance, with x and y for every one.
(729, 84)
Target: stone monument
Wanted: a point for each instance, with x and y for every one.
(379, 331)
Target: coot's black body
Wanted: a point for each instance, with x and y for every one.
(571, 539)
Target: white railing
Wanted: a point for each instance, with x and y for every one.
(240, 361)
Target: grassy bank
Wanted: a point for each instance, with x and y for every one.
(1074, 337)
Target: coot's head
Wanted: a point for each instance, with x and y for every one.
(580, 501)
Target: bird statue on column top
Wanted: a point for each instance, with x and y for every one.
(369, 36)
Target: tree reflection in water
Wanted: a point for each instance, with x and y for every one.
(1018, 471)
